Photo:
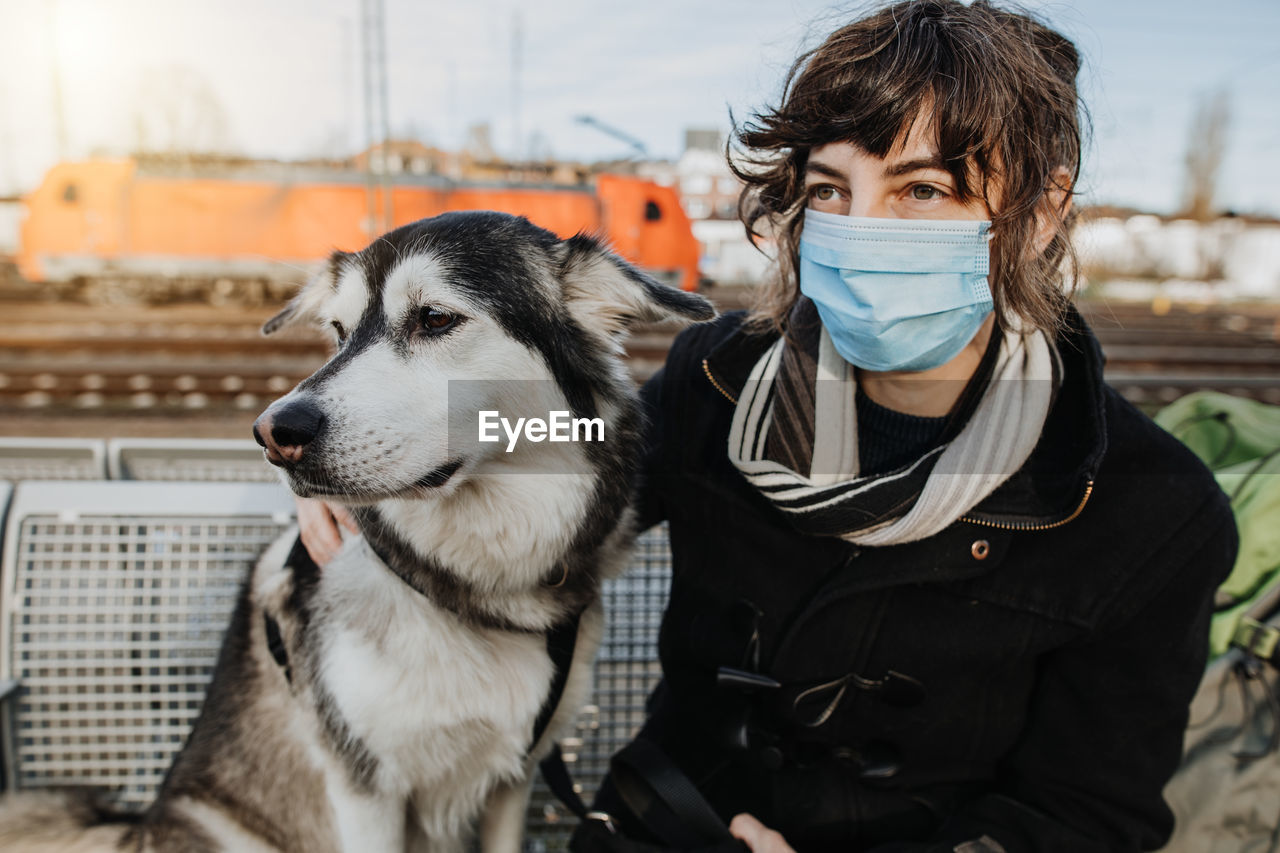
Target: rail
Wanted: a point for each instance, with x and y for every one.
(77, 360)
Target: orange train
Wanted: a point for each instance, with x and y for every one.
(121, 219)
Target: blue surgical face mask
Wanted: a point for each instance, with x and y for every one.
(896, 294)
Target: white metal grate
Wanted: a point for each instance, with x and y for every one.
(114, 623)
(626, 670)
(52, 459)
(116, 609)
(217, 460)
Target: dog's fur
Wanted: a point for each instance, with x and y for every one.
(387, 701)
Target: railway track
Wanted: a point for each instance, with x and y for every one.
(80, 360)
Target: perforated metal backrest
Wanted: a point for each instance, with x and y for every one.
(53, 459)
(117, 596)
(116, 599)
(7, 685)
(219, 460)
(626, 670)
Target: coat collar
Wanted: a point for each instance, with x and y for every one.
(1054, 484)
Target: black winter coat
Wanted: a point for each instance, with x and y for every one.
(1023, 675)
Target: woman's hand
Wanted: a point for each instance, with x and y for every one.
(318, 527)
(757, 836)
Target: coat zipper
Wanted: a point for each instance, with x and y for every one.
(706, 368)
(1011, 525)
(1000, 525)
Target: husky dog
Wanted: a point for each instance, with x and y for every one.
(398, 698)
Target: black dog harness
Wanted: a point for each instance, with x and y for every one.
(561, 639)
(672, 806)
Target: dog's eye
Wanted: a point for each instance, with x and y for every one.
(433, 321)
(341, 332)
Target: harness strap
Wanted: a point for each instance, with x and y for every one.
(562, 639)
(656, 792)
(662, 797)
(275, 645)
(561, 642)
(556, 774)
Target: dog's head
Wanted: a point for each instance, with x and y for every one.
(437, 321)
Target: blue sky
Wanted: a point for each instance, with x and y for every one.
(284, 76)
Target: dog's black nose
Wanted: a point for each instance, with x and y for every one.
(286, 431)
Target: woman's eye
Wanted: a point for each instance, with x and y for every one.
(341, 332)
(434, 321)
(823, 193)
(924, 192)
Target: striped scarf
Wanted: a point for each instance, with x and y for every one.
(812, 475)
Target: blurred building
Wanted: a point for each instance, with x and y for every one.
(476, 162)
(709, 189)
(407, 157)
(709, 193)
(1140, 256)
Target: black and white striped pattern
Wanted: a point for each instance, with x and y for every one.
(829, 497)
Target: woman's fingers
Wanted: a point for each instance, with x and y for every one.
(343, 516)
(757, 836)
(318, 528)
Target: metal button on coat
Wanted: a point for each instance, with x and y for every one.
(980, 549)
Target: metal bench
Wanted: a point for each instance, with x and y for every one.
(52, 459)
(115, 599)
(7, 685)
(222, 460)
(626, 670)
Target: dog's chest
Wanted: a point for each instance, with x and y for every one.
(428, 695)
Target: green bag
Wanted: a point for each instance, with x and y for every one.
(1226, 793)
(1239, 439)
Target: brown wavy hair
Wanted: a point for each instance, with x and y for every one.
(999, 88)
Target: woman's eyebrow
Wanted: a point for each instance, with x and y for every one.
(907, 166)
(823, 169)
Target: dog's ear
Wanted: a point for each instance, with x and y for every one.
(606, 293)
(290, 314)
(305, 305)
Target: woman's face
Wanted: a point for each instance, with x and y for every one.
(908, 183)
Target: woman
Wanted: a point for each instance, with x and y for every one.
(936, 586)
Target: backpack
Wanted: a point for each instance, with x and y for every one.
(1226, 793)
